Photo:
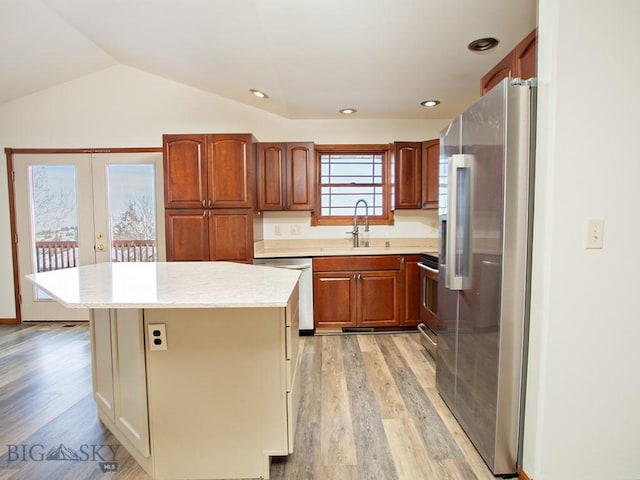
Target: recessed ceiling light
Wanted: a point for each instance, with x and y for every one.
(348, 111)
(430, 103)
(483, 44)
(258, 93)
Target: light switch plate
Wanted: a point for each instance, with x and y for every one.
(595, 233)
(157, 336)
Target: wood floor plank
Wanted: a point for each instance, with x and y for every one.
(388, 399)
(337, 445)
(436, 436)
(374, 455)
(421, 363)
(409, 452)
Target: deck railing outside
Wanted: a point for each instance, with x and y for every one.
(58, 255)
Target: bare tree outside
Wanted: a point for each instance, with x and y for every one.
(136, 221)
(54, 206)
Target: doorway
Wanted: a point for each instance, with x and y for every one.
(74, 209)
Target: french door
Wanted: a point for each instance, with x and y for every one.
(75, 209)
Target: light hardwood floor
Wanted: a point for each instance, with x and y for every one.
(369, 410)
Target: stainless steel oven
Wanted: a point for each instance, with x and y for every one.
(428, 326)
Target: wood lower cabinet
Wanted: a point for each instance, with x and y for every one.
(286, 176)
(334, 299)
(359, 291)
(411, 291)
(209, 235)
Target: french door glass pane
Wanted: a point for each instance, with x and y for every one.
(54, 216)
(132, 212)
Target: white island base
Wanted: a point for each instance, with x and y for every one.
(218, 402)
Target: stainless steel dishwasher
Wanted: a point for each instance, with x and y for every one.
(305, 285)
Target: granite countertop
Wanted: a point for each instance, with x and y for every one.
(340, 247)
(169, 285)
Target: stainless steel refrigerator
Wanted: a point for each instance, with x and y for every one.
(485, 212)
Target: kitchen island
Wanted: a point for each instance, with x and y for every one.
(194, 363)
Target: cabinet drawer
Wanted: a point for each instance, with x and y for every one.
(356, 263)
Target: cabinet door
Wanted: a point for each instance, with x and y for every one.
(102, 361)
(525, 57)
(185, 171)
(131, 415)
(231, 178)
(187, 235)
(300, 176)
(430, 173)
(408, 159)
(378, 298)
(231, 235)
(271, 176)
(501, 71)
(411, 299)
(334, 299)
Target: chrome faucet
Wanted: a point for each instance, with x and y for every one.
(355, 232)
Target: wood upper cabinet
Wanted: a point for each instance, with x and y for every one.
(356, 291)
(231, 172)
(209, 171)
(430, 173)
(525, 57)
(408, 179)
(185, 171)
(286, 176)
(271, 175)
(416, 174)
(209, 235)
(502, 70)
(521, 62)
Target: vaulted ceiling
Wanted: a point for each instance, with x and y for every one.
(312, 57)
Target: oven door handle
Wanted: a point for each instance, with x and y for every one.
(428, 269)
(423, 330)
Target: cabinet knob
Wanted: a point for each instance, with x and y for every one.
(204, 204)
(209, 204)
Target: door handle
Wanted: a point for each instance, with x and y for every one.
(458, 254)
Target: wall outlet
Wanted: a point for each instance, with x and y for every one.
(595, 233)
(157, 336)
(276, 230)
(295, 229)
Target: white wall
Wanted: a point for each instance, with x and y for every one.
(583, 417)
(121, 106)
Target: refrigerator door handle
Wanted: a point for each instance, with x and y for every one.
(458, 248)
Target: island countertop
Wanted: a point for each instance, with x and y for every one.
(168, 285)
